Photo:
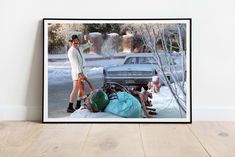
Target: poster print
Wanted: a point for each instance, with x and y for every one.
(117, 70)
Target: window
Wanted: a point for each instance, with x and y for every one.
(147, 60)
(131, 60)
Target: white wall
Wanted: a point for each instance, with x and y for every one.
(212, 57)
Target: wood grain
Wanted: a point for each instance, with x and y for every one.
(114, 140)
(200, 139)
(43, 140)
(218, 138)
(172, 140)
(16, 137)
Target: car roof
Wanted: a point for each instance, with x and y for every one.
(144, 54)
(140, 55)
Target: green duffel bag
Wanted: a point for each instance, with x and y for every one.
(99, 100)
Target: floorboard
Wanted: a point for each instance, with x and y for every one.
(218, 138)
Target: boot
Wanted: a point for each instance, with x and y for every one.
(152, 113)
(78, 104)
(70, 108)
(151, 109)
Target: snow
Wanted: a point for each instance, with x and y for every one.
(95, 34)
(104, 63)
(84, 113)
(69, 34)
(127, 36)
(61, 75)
(58, 75)
(60, 71)
(113, 34)
(163, 102)
(87, 56)
(163, 99)
(91, 55)
(96, 72)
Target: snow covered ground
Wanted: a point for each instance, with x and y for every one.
(60, 71)
(84, 113)
(163, 102)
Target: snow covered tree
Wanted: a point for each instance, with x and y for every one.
(58, 36)
(162, 39)
(103, 28)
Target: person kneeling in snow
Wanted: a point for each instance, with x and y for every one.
(143, 97)
(155, 84)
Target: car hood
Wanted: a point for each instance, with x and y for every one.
(131, 67)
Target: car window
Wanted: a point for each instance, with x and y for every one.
(131, 60)
(147, 60)
(165, 59)
(150, 60)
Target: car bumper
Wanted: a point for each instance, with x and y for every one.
(129, 80)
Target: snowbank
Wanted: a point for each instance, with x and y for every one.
(84, 113)
(113, 34)
(60, 71)
(127, 36)
(94, 34)
(58, 75)
(163, 102)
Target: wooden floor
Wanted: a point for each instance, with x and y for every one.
(200, 139)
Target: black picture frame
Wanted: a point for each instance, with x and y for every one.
(53, 112)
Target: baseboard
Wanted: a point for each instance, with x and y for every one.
(20, 112)
(213, 113)
(200, 113)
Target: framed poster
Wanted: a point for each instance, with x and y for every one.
(117, 70)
